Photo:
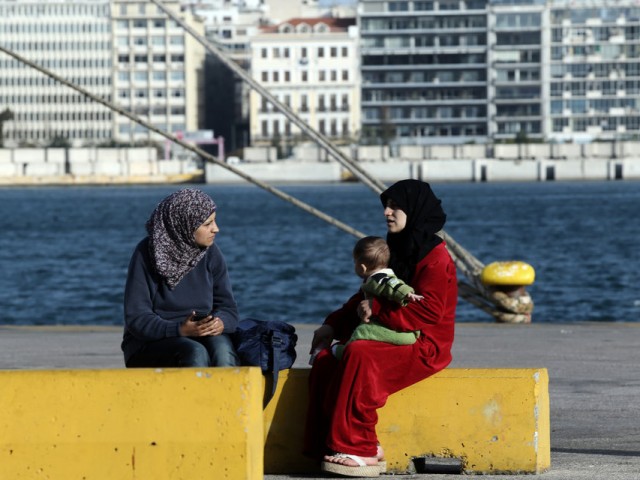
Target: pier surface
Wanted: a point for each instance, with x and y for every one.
(594, 384)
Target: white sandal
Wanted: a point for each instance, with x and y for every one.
(382, 463)
(362, 470)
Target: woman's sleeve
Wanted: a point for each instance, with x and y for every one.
(435, 279)
(140, 319)
(224, 303)
(345, 319)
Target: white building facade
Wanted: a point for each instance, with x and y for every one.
(72, 39)
(125, 51)
(462, 71)
(310, 65)
(157, 69)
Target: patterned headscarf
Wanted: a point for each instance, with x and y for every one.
(171, 227)
(425, 217)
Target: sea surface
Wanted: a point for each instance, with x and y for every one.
(64, 251)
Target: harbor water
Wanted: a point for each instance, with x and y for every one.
(64, 251)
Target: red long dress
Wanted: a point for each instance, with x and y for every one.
(344, 395)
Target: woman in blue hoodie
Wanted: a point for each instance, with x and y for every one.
(178, 303)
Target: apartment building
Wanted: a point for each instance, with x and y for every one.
(311, 65)
(518, 90)
(424, 71)
(594, 70)
(157, 69)
(72, 39)
(459, 71)
(126, 51)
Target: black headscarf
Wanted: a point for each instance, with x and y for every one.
(425, 217)
(171, 228)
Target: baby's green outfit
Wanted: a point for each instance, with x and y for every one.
(384, 283)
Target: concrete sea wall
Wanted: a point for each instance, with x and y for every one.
(28, 166)
(463, 170)
(443, 163)
(436, 163)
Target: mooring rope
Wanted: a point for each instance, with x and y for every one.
(279, 193)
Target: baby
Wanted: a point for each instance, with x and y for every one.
(371, 261)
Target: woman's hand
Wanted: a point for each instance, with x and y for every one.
(364, 311)
(322, 339)
(207, 327)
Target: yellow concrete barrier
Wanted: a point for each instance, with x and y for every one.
(141, 423)
(491, 420)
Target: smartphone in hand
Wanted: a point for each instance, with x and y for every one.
(198, 316)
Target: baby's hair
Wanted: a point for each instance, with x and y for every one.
(373, 252)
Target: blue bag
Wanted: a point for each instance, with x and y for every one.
(268, 344)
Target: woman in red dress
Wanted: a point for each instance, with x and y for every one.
(345, 395)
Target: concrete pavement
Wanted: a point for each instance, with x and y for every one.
(593, 369)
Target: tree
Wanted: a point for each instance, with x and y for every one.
(59, 142)
(5, 116)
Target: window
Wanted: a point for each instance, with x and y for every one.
(345, 52)
(345, 75)
(287, 76)
(265, 76)
(263, 52)
(333, 52)
(321, 105)
(322, 76)
(320, 52)
(304, 76)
